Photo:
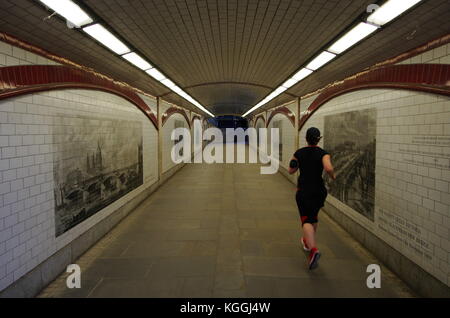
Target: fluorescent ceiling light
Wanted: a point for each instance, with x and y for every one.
(251, 110)
(390, 10)
(69, 10)
(278, 91)
(207, 111)
(75, 15)
(355, 35)
(303, 73)
(168, 83)
(274, 94)
(176, 89)
(105, 37)
(183, 94)
(321, 60)
(157, 75)
(193, 101)
(290, 82)
(190, 99)
(138, 61)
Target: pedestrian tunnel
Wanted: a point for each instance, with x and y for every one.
(145, 148)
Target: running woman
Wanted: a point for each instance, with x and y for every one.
(311, 191)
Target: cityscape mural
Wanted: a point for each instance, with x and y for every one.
(350, 138)
(96, 161)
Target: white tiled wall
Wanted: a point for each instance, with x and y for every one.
(167, 143)
(440, 55)
(27, 227)
(412, 173)
(288, 135)
(27, 215)
(199, 123)
(12, 56)
(260, 123)
(151, 102)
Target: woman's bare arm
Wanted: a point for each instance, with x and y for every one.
(328, 167)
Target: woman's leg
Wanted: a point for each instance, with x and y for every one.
(309, 235)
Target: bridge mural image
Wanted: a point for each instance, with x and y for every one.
(94, 166)
(350, 138)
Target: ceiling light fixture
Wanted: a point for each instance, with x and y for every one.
(302, 74)
(271, 96)
(76, 16)
(176, 89)
(253, 109)
(98, 32)
(157, 75)
(358, 33)
(277, 92)
(69, 10)
(136, 60)
(390, 10)
(386, 13)
(290, 82)
(322, 59)
(168, 83)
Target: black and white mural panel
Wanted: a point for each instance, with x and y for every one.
(350, 138)
(96, 162)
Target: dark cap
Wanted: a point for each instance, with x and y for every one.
(313, 135)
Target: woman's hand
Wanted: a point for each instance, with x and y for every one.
(293, 166)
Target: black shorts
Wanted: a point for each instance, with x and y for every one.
(309, 205)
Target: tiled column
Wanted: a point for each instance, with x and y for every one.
(297, 124)
(160, 140)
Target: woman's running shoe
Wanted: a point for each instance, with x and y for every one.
(314, 258)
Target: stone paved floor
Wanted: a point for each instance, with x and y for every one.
(223, 231)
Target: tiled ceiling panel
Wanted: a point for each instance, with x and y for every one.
(228, 54)
(252, 41)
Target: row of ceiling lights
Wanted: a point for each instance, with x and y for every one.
(79, 18)
(386, 13)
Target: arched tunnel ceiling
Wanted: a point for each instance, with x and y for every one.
(229, 98)
(228, 54)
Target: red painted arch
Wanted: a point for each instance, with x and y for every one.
(262, 118)
(194, 118)
(27, 79)
(283, 111)
(172, 111)
(430, 78)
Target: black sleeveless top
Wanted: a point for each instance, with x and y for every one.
(311, 169)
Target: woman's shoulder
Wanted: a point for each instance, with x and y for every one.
(322, 151)
(318, 150)
(311, 148)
